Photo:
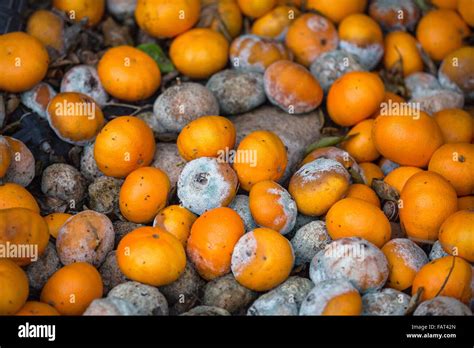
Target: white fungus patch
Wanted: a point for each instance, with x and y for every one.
(442, 305)
(369, 56)
(385, 302)
(289, 208)
(244, 253)
(353, 259)
(84, 79)
(312, 171)
(202, 185)
(38, 98)
(322, 293)
(413, 256)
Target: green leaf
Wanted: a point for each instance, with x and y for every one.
(159, 56)
(328, 141)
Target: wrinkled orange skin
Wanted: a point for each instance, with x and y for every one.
(455, 234)
(55, 221)
(271, 159)
(455, 162)
(176, 220)
(270, 264)
(364, 193)
(16, 196)
(457, 125)
(165, 18)
(199, 53)
(123, 145)
(427, 200)
(23, 62)
(13, 287)
(212, 240)
(353, 217)
(143, 194)
(151, 256)
(207, 136)
(35, 308)
(128, 73)
(71, 289)
(337, 10)
(354, 97)
(398, 177)
(433, 275)
(78, 127)
(79, 9)
(308, 41)
(401, 47)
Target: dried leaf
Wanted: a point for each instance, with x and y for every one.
(115, 34)
(385, 191)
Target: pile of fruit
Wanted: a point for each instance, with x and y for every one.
(238, 157)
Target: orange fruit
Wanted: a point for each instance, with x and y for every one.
(398, 177)
(353, 217)
(176, 220)
(337, 10)
(75, 117)
(354, 97)
(123, 145)
(228, 15)
(309, 36)
(455, 234)
(47, 27)
(207, 136)
(456, 70)
(254, 53)
(274, 24)
(256, 8)
(405, 259)
(446, 4)
(466, 10)
(317, 185)
(271, 206)
(35, 308)
(408, 139)
(447, 276)
(77, 10)
(199, 53)
(261, 155)
(262, 259)
(457, 125)
(441, 32)
(143, 194)
(16, 196)
(55, 221)
(166, 19)
(364, 193)
(455, 162)
(128, 73)
(13, 287)
(361, 146)
(23, 62)
(427, 199)
(151, 256)
(212, 240)
(71, 289)
(401, 49)
(371, 171)
(292, 87)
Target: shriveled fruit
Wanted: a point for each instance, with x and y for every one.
(427, 199)
(395, 15)
(292, 88)
(317, 185)
(309, 36)
(123, 145)
(405, 259)
(22, 165)
(455, 70)
(71, 289)
(262, 259)
(151, 256)
(212, 240)
(176, 220)
(143, 194)
(447, 276)
(271, 206)
(228, 16)
(5, 156)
